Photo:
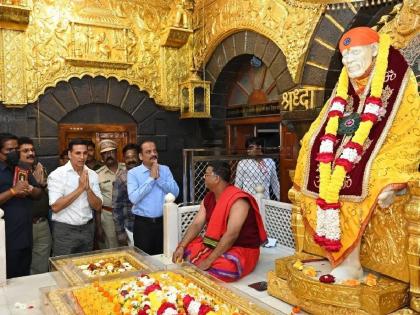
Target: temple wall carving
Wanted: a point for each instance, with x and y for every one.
(58, 40)
(289, 24)
(43, 42)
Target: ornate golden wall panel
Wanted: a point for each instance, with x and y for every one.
(66, 39)
(108, 38)
(288, 24)
(406, 24)
(175, 66)
(13, 74)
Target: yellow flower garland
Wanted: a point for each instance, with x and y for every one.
(331, 181)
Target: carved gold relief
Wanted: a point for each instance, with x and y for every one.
(319, 298)
(110, 38)
(406, 24)
(289, 25)
(66, 39)
(175, 37)
(171, 59)
(14, 14)
(14, 85)
(412, 214)
(384, 250)
(101, 46)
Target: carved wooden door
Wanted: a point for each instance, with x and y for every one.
(288, 157)
(121, 134)
(237, 136)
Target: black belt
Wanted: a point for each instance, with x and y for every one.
(149, 220)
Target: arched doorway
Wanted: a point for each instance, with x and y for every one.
(109, 102)
(246, 90)
(96, 122)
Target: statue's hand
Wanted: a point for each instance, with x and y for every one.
(386, 198)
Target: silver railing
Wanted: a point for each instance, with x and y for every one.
(195, 162)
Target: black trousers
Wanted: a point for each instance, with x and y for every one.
(148, 234)
(18, 262)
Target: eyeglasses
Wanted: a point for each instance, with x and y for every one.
(209, 174)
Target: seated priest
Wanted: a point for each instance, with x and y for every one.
(231, 245)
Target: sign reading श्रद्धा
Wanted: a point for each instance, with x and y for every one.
(298, 98)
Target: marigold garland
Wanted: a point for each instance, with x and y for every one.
(328, 232)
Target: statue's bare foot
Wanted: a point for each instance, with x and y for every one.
(346, 272)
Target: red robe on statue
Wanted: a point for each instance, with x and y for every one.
(242, 257)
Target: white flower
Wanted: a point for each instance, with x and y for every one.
(194, 308)
(332, 224)
(349, 154)
(171, 297)
(320, 225)
(337, 106)
(327, 146)
(147, 281)
(170, 311)
(372, 109)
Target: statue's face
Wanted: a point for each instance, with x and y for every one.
(358, 59)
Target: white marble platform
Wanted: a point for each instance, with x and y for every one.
(25, 290)
(265, 264)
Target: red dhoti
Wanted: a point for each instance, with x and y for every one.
(231, 266)
(242, 257)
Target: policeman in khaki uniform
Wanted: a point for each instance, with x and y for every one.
(107, 174)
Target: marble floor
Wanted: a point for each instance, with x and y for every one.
(25, 293)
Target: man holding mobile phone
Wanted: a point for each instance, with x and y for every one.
(16, 201)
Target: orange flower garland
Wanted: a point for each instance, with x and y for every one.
(328, 232)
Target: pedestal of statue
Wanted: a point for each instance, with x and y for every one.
(390, 249)
(291, 285)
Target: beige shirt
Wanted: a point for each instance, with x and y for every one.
(106, 180)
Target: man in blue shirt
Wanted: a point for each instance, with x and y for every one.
(147, 186)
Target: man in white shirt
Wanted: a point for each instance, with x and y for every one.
(74, 191)
(257, 171)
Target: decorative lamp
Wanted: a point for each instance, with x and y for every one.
(195, 97)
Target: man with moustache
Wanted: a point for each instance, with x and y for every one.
(107, 175)
(15, 200)
(42, 241)
(147, 186)
(73, 190)
(121, 205)
(230, 248)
